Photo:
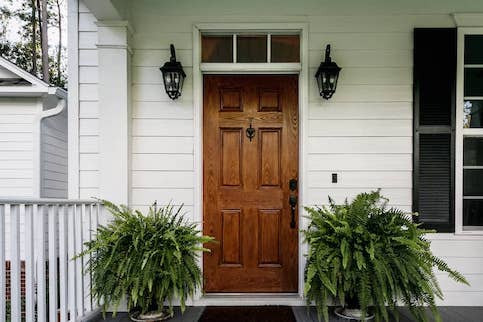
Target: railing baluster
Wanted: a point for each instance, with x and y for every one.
(15, 304)
(72, 263)
(79, 262)
(87, 277)
(53, 263)
(63, 262)
(41, 288)
(2, 262)
(63, 226)
(30, 212)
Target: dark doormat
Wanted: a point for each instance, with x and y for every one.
(247, 314)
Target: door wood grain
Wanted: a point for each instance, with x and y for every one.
(246, 183)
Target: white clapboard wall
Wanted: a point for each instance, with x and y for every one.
(364, 133)
(53, 153)
(17, 117)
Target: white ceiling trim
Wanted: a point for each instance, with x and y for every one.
(468, 19)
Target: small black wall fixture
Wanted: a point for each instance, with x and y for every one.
(173, 76)
(327, 76)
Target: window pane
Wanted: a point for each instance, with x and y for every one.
(473, 151)
(473, 81)
(472, 212)
(474, 49)
(216, 49)
(285, 49)
(251, 49)
(473, 114)
(473, 182)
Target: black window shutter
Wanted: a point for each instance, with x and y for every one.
(434, 121)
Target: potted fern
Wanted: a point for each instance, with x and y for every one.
(370, 258)
(147, 259)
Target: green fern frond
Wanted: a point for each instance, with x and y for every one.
(363, 249)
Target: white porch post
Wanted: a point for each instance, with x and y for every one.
(115, 110)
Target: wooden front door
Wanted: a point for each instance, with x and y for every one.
(250, 157)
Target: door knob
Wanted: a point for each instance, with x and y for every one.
(292, 201)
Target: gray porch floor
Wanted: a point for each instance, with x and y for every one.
(302, 314)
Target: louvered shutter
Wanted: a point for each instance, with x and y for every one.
(434, 122)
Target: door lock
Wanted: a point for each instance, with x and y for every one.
(292, 201)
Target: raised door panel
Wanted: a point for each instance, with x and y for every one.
(231, 100)
(231, 245)
(231, 160)
(270, 157)
(269, 100)
(269, 237)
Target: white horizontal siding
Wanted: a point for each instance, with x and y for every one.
(360, 162)
(396, 196)
(17, 116)
(163, 110)
(53, 159)
(88, 104)
(144, 196)
(360, 179)
(358, 128)
(364, 134)
(358, 144)
(380, 62)
(463, 254)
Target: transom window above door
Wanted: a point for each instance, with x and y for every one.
(250, 48)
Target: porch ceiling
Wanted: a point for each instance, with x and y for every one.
(107, 9)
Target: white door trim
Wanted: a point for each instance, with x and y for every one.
(302, 69)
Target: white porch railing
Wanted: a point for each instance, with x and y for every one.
(43, 235)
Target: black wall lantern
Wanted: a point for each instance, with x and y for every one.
(327, 76)
(173, 76)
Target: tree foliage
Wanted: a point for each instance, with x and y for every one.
(375, 255)
(25, 49)
(148, 258)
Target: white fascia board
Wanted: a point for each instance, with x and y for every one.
(27, 91)
(36, 82)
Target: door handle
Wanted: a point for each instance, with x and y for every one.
(292, 201)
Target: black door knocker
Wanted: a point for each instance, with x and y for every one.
(251, 131)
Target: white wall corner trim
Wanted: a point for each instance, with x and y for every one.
(115, 114)
(73, 95)
(468, 19)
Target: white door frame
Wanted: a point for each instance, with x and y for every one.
(261, 68)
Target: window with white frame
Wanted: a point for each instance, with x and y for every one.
(470, 131)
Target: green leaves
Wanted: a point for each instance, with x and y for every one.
(345, 251)
(148, 258)
(376, 254)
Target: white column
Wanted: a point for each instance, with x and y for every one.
(115, 110)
